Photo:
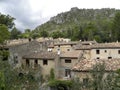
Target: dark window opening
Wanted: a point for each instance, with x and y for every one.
(118, 51)
(68, 49)
(27, 62)
(105, 51)
(67, 73)
(98, 57)
(36, 62)
(45, 62)
(67, 61)
(109, 57)
(97, 51)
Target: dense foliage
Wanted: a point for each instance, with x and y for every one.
(84, 24)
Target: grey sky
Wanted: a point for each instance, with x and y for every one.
(31, 13)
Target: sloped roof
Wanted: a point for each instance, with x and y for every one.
(87, 65)
(71, 54)
(97, 46)
(40, 55)
(66, 43)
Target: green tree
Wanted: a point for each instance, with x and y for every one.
(89, 32)
(56, 34)
(15, 33)
(26, 34)
(52, 75)
(4, 33)
(116, 27)
(44, 33)
(7, 20)
(2, 81)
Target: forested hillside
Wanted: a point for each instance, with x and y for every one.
(84, 24)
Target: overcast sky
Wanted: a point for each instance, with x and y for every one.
(31, 13)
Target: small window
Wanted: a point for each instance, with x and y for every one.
(36, 61)
(27, 62)
(109, 57)
(97, 51)
(67, 61)
(45, 62)
(68, 49)
(98, 57)
(105, 51)
(67, 73)
(118, 51)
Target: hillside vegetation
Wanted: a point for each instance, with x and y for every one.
(84, 24)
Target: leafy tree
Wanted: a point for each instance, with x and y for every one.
(44, 33)
(35, 35)
(2, 81)
(116, 27)
(52, 75)
(4, 33)
(26, 34)
(56, 34)
(7, 20)
(15, 33)
(98, 75)
(89, 32)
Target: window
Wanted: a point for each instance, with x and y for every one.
(98, 57)
(27, 62)
(67, 73)
(105, 51)
(36, 62)
(68, 49)
(97, 51)
(118, 51)
(45, 62)
(67, 61)
(109, 57)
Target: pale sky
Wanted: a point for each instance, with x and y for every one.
(31, 13)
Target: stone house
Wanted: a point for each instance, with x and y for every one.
(82, 70)
(66, 62)
(19, 50)
(99, 50)
(44, 60)
(64, 47)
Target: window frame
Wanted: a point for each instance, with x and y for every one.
(45, 62)
(68, 61)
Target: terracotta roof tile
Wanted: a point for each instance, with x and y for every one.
(97, 46)
(86, 65)
(40, 55)
(70, 54)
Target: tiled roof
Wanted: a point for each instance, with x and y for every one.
(66, 43)
(86, 65)
(71, 54)
(106, 45)
(97, 46)
(40, 55)
(88, 42)
(51, 46)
